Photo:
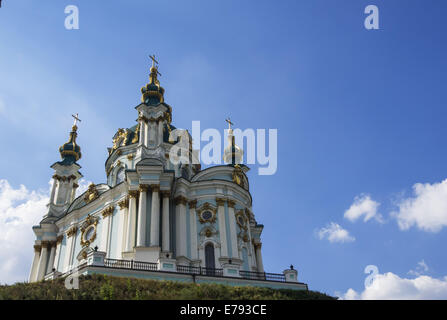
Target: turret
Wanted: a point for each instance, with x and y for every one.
(66, 176)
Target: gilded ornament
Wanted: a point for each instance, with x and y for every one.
(92, 193)
(108, 211)
(207, 213)
(124, 203)
(72, 231)
(220, 201)
(180, 200)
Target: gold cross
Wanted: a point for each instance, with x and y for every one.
(76, 118)
(229, 123)
(153, 60)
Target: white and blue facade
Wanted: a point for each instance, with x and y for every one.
(152, 218)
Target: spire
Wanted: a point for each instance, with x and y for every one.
(232, 154)
(152, 93)
(70, 151)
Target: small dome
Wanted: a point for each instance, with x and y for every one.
(152, 93)
(71, 151)
(233, 154)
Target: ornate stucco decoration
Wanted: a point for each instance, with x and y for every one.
(136, 137)
(120, 138)
(108, 211)
(238, 176)
(220, 201)
(133, 194)
(64, 178)
(72, 231)
(180, 200)
(88, 230)
(124, 203)
(208, 232)
(207, 213)
(92, 193)
(241, 220)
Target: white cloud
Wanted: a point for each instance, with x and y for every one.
(363, 206)
(20, 209)
(389, 286)
(335, 233)
(421, 268)
(427, 209)
(83, 186)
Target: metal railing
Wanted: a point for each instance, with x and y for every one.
(262, 276)
(200, 271)
(213, 272)
(130, 264)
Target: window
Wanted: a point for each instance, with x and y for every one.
(120, 176)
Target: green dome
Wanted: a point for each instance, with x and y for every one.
(71, 151)
(152, 93)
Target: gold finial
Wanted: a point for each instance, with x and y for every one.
(76, 119)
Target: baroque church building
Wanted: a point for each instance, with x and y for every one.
(154, 218)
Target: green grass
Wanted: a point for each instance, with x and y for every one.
(100, 287)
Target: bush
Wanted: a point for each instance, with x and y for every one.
(101, 287)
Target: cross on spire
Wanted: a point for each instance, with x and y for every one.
(76, 119)
(229, 123)
(154, 61)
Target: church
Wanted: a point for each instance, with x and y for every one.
(153, 218)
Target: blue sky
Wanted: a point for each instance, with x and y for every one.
(357, 111)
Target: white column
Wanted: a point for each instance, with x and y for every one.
(142, 133)
(124, 211)
(53, 190)
(69, 192)
(141, 235)
(71, 235)
(131, 221)
(180, 226)
(146, 134)
(105, 230)
(193, 229)
(259, 257)
(233, 234)
(155, 216)
(222, 227)
(42, 261)
(69, 249)
(165, 221)
(152, 133)
(58, 252)
(52, 255)
(33, 273)
(160, 132)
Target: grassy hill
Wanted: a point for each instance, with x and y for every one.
(100, 287)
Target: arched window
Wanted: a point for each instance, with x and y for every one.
(209, 256)
(120, 176)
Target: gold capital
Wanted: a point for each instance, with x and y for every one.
(220, 201)
(133, 194)
(180, 200)
(192, 204)
(143, 188)
(231, 203)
